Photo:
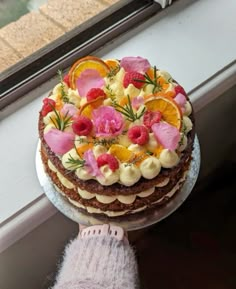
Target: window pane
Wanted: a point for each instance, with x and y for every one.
(35, 46)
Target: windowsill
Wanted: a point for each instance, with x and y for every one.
(189, 46)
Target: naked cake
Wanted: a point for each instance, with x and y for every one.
(116, 135)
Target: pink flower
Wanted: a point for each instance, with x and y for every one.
(167, 135)
(91, 163)
(107, 121)
(59, 141)
(132, 63)
(181, 100)
(89, 78)
(69, 109)
(137, 101)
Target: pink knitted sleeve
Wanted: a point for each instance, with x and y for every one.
(97, 263)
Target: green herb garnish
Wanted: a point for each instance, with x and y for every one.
(75, 163)
(64, 95)
(61, 122)
(156, 84)
(128, 111)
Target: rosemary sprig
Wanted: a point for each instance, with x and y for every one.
(110, 92)
(156, 84)
(128, 111)
(103, 141)
(75, 163)
(61, 122)
(113, 71)
(64, 95)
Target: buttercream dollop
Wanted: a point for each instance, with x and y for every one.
(129, 174)
(168, 158)
(150, 167)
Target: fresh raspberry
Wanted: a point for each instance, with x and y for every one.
(108, 159)
(130, 78)
(151, 117)
(94, 93)
(66, 79)
(48, 105)
(82, 125)
(138, 134)
(180, 89)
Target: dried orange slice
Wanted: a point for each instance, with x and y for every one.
(83, 148)
(121, 153)
(113, 64)
(88, 107)
(88, 62)
(171, 112)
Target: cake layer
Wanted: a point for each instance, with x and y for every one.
(159, 195)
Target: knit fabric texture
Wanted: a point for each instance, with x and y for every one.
(96, 263)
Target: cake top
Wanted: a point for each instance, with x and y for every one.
(117, 120)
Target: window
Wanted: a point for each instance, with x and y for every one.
(66, 40)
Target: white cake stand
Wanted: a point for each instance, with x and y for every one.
(130, 222)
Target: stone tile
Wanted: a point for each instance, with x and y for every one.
(69, 14)
(30, 33)
(110, 2)
(8, 56)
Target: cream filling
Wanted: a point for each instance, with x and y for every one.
(103, 198)
(93, 210)
(62, 179)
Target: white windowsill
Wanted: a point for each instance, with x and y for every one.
(194, 43)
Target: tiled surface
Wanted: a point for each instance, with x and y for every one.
(195, 247)
(70, 13)
(30, 33)
(8, 56)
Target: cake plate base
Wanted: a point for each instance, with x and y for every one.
(128, 222)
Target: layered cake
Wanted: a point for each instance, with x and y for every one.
(116, 135)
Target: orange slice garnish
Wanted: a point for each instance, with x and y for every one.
(88, 107)
(121, 153)
(88, 62)
(83, 148)
(113, 64)
(171, 112)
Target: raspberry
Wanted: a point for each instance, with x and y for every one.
(66, 79)
(180, 89)
(151, 117)
(108, 159)
(138, 134)
(94, 93)
(130, 78)
(82, 125)
(48, 105)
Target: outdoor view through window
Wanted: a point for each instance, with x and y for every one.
(29, 25)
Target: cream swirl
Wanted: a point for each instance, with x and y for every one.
(187, 108)
(71, 154)
(129, 174)
(168, 158)
(108, 177)
(98, 150)
(82, 173)
(187, 124)
(183, 142)
(150, 167)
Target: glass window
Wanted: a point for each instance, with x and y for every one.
(54, 33)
